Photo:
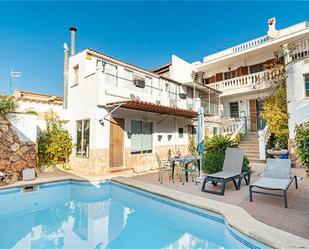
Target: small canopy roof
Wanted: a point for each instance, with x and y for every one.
(155, 108)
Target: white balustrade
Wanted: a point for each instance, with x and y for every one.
(250, 44)
(230, 125)
(243, 81)
(296, 50)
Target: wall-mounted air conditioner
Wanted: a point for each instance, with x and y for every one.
(182, 95)
(138, 82)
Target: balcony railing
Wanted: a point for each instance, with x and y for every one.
(125, 88)
(296, 50)
(253, 81)
(210, 108)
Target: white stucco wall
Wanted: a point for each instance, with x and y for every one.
(298, 105)
(25, 125)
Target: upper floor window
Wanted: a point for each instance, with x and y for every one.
(234, 110)
(256, 68)
(82, 137)
(148, 82)
(306, 79)
(229, 75)
(76, 72)
(111, 73)
(128, 74)
(189, 92)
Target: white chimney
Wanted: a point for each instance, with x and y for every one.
(65, 75)
(73, 32)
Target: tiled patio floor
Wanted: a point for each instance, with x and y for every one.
(268, 209)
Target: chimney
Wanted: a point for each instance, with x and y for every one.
(73, 32)
(272, 31)
(65, 75)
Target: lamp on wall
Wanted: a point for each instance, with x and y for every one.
(129, 133)
(159, 137)
(169, 137)
(101, 122)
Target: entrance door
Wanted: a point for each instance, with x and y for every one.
(116, 142)
(253, 115)
(261, 123)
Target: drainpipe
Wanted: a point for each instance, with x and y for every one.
(65, 75)
(73, 32)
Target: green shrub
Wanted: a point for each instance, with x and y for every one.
(55, 143)
(302, 143)
(220, 143)
(213, 162)
(213, 159)
(7, 105)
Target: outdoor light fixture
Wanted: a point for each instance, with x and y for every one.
(169, 137)
(129, 134)
(159, 137)
(101, 122)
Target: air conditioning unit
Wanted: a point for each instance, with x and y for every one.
(182, 95)
(139, 83)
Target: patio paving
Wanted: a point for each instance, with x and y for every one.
(267, 209)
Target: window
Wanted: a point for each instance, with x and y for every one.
(141, 138)
(172, 93)
(256, 68)
(76, 70)
(229, 75)
(306, 78)
(148, 82)
(180, 132)
(82, 138)
(128, 75)
(234, 110)
(111, 74)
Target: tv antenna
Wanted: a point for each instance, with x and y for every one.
(13, 76)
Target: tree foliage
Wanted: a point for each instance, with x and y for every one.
(55, 143)
(275, 107)
(8, 105)
(302, 143)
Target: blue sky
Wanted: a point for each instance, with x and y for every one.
(143, 33)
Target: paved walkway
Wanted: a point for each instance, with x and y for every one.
(268, 209)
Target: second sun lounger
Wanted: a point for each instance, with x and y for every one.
(276, 177)
(231, 171)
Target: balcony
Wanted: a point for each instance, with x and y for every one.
(296, 51)
(125, 89)
(250, 82)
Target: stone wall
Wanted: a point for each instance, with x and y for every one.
(14, 154)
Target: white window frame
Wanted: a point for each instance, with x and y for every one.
(86, 155)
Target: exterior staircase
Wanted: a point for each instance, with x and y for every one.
(250, 144)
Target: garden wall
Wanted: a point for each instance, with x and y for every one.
(16, 152)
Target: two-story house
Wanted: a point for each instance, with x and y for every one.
(243, 76)
(120, 114)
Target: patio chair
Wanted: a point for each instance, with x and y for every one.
(164, 166)
(276, 177)
(230, 172)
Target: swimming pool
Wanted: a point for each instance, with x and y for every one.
(72, 214)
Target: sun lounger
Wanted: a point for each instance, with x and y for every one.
(230, 172)
(276, 177)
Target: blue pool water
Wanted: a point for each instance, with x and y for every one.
(72, 214)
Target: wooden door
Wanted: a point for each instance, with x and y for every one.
(116, 142)
(253, 115)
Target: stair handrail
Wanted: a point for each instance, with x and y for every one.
(237, 131)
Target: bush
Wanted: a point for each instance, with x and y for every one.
(302, 143)
(213, 159)
(7, 105)
(213, 162)
(220, 143)
(55, 143)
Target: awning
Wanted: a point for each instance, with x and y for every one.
(139, 105)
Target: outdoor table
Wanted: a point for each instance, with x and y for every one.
(185, 160)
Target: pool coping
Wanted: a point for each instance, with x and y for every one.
(235, 216)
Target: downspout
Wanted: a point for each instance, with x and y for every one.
(65, 75)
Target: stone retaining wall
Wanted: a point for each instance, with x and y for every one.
(14, 154)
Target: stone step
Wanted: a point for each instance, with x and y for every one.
(251, 150)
